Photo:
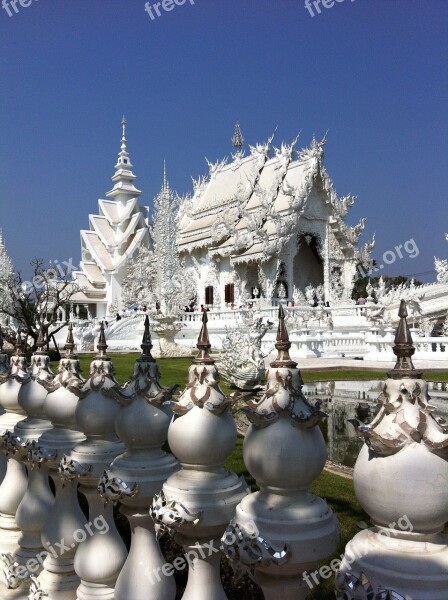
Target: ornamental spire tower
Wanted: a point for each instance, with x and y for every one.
(169, 274)
(124, 188)
(114, 234)
(237, 139)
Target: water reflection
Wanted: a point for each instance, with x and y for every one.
(344, 400)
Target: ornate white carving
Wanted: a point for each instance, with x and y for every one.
(213, 280)
(169, 514)
(441, 267)
(139, 285)
(218, 165)
(242, 359)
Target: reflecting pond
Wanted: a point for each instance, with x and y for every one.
(344, 400)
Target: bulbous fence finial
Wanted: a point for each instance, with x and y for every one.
(400, 480)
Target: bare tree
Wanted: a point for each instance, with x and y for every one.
(40, 303)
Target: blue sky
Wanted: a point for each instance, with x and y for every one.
(372, 72)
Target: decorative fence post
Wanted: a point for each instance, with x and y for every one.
(58, 580)
(100, 557)
(14, 484)
(401, 481)
(197, 502)
(282, 531)
(38, 500)
(135, 476)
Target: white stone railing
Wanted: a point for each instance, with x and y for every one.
(363, 344)
(231, 315)
(352, 336)
(430, 346)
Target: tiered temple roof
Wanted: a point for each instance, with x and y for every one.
(252, 206)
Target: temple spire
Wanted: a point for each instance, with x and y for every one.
(403, 349)
(203, 344)
(237, 139)
(124, 188)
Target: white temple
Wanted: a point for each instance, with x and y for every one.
(261, 227)
(267, 227)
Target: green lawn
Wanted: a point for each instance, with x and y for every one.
(175, 371)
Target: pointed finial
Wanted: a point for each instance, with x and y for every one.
(40, 342)
(1, 339)
(123, 126)
(19, 344)
(166, 185)
(203, 344)
(283, 344)
(102, 346)
(146, 344)
(237, 139)
(403, 349)
(70, 343)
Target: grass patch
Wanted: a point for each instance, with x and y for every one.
(175, 370)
